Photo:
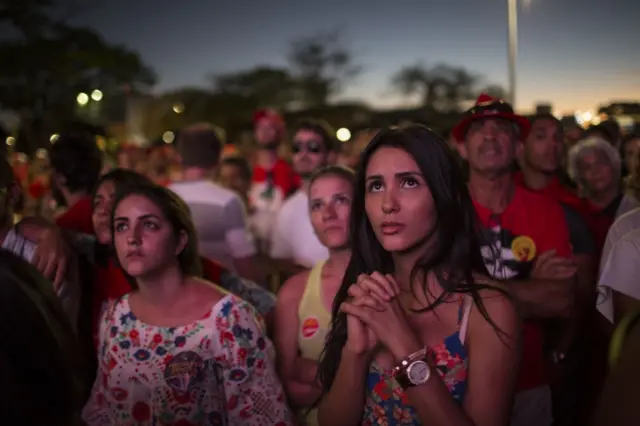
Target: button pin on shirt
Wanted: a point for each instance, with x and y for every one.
(269, 191)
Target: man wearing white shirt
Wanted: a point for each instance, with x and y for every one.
(218, 213)
(294, 244)
(618, 287)
(618, 290)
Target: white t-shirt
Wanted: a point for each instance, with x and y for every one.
(620, 272)
(622, 226)
(220, 220)
(627, 204)
(293, 237)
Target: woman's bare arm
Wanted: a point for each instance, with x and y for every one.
(344, 403)
(300, 386)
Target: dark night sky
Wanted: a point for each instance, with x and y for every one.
(573, 53)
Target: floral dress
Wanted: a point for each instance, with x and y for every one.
(215, 371)
(386, 402)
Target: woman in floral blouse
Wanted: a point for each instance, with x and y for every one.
(178, 350)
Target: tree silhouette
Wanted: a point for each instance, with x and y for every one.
(46, 63)
(442, 88)
(34, 18)
(416, 79)
(264, 86)
(321, 64)
(495, 91)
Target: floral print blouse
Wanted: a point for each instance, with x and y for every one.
(215, 371)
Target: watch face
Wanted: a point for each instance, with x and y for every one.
(418, 372)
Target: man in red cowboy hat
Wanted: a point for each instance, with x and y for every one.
(525, 242)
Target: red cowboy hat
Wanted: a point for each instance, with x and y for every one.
(270, 114)
(488, 107)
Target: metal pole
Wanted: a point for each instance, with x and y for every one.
(512, 10)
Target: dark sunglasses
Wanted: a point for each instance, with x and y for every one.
(312, 147)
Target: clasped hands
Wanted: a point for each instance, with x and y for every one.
(375, 304)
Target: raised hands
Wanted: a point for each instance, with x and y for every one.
(376, 308)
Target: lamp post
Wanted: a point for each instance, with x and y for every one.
(512, 19)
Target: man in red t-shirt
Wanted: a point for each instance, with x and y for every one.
(77, 162)
(273, 178)
(582, 347)
(525, 241)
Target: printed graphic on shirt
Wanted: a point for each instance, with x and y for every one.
(184, 370)
(524, 248)
(266, 195)
(507, 255)
(310, 327)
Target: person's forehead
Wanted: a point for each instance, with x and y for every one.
(594, 154)
(496, 120)
(139, 203)
(266, 121)
(307, 134)
(545, 123)
(391, 159)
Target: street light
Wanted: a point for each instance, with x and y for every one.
(512, 17)
(178, 108)
(96, 95)
(82, 99)
(343, 134)
(168, 137)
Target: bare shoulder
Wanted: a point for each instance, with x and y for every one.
(293, 289)
(497, 306)
(206, 290)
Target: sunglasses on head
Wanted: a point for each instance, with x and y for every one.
(312, 147)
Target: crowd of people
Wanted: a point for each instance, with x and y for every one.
(485, 277)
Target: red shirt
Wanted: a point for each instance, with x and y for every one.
(37, 189)
(78, 216)
(282, 177)
(111, 284)
(531, 225)
(598, 220)
(558, 192)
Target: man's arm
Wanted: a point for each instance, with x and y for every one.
(544, 298)
(32, 227)
(551, 289)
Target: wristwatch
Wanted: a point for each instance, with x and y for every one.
(413, 371)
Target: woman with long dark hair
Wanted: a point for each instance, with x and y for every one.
(419, 334)
(178, 349)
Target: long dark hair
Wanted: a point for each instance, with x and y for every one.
(456, 253)
(176, 212)
(40, 360)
